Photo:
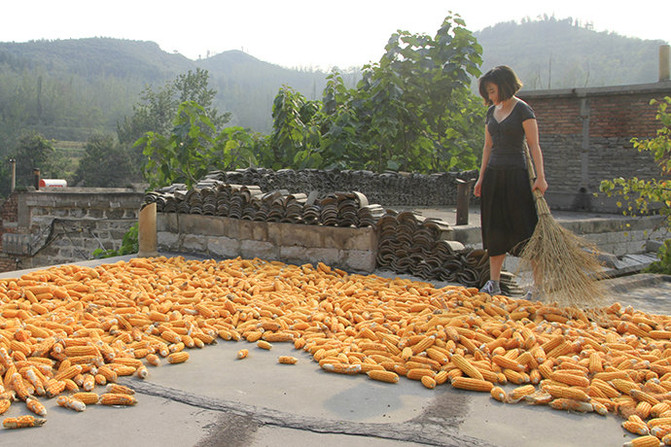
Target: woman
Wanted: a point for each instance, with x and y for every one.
(508, 211)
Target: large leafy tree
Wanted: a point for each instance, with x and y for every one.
(193, 147)
(105, 163)
(157, 109)
(412, 111)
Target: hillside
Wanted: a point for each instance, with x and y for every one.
(563, 54)
(67, 89)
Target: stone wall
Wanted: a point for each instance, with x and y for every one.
(54, 226)
(353, 249)
(586, 137)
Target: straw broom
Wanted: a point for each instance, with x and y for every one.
(564, 266)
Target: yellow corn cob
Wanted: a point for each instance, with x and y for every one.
(108, 373)
(153, 359)
(521, 391)
(242, 354)
(69, 372)
(171, 336)
(605, 388)
(23, 422)
(466, 367)
(505, 362)
(178, 357)
(89, 382)
(599, 408)
(659, 409)
(634, 424)
(643, 409)
(36, 406)
(428, 382)
(660, 431)
(71, 403)
(86, 350)
(595, 363)
(567, 392)
(624, 386)
(441, 377)
(142, 372)
(640, 395)
(406, 353)
(383, 376)
(498, 393)
(469, 383)
(422, 345)
(117, 399)
(273, 337)
(4, 405)
(571, 405)
(418, 373)
(287, 360)
(341, 368)
(264, 345)
(116, 388)
(89, 398)
(17, 384)
(125, 370)
(570, 379)
(643, 441)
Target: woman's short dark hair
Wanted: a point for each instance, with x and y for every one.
(505, 79)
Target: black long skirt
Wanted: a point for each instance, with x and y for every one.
(508, 212)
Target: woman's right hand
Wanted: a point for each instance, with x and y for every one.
(477, 188)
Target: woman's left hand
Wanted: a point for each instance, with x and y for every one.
(541, 185)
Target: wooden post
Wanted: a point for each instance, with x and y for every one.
(146, 234)
(463, 198)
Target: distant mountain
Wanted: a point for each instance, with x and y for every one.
(68, 89)
(564, 53)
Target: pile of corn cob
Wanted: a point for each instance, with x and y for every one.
(66, 330)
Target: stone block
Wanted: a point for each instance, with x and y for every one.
(230, 227)
(201, 225)
(361, 239)
(253, 230)
(258, 249)
(298, 235)
(223, 246)
(194, 243)
(329, 256)
(167, 240)
(293, 255)
(359, 260)
(167, 222)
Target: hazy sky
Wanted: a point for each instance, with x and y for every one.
(303, 33)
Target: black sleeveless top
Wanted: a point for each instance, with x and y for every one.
(508, 137)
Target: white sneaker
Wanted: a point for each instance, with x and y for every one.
(491, 287)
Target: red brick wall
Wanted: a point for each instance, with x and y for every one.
(616, 115)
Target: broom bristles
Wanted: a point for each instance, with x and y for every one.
(564, 266)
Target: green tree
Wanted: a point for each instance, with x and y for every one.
(418, 102)
(32, 152)
(643, 196)
(294, 141)
(194, 147)
(156, 110)
(105, 163)
(412, 111)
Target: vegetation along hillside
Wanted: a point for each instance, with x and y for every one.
(67, 91)
(552, 53)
